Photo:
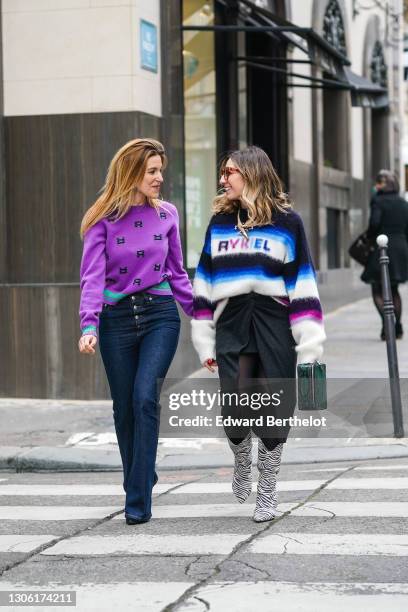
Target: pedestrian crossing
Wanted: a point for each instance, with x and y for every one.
(363, 468)
(222, 544)
(56, 513)
(199, 488)
(323, 552)
(56, 490)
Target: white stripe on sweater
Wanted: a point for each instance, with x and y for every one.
(277, 249)
(240, 286)
(304, 288)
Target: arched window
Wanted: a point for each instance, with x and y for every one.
(378, 67)
(335, 132)
(333, 27)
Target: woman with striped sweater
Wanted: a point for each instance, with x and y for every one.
(256, 306)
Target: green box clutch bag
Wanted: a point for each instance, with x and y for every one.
(312, 388)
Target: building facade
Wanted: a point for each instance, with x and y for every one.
(316, 83)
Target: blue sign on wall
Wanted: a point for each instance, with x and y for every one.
(148, 45)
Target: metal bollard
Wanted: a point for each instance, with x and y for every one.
(389, 329)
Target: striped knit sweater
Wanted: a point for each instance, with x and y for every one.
(274, 261)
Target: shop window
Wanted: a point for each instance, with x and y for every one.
(200, 123)
(379, 140)
(333, 238)
(379, 117)
(335, 132)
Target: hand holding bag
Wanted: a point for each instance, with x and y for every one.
(361, 248)
(312, 387)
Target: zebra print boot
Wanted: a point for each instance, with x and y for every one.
(268, 466)
(242, 479)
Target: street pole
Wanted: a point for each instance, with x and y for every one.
(389, 329)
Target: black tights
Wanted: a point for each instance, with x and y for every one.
(379, 302)
(250, 366)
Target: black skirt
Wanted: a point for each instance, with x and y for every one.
(254, 323)
(398, 262)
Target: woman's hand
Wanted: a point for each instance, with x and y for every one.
(210, 364)
(86, 344)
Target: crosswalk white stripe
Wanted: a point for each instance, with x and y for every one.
(55, 513)
(353, 509)
(367, 468)
(23, 543)
(343, 509)
(300, 597)
(73, 489)
(142, 544)
(387, 544)
(209, 511)
(362, 468)
(299, 485)
(294, 597)
(225, 487)
(123, 596)
(199, 487)
(339, 469)
(369, 483)
(222, 543)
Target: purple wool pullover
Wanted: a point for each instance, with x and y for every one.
(139, 252)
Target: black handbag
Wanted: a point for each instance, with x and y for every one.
(361, 248)
(312, 386)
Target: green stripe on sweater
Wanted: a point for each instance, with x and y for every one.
(163, 286)
(112, 295)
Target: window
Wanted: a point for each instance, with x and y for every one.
(200, 124)
(335, 133)
(333, 238)
(335, 103)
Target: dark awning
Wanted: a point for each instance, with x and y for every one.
(317, 50)
(365, 92)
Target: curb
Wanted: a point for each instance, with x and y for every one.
(58, 459)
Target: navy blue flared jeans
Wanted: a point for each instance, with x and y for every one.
(138, 339)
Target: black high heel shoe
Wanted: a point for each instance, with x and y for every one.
(132, 521)
(399, 332)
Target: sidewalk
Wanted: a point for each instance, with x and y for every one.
(74, 435)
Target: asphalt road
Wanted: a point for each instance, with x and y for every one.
(340, 543)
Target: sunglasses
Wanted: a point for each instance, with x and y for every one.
(226, 173)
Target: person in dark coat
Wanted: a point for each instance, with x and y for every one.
(389, 215)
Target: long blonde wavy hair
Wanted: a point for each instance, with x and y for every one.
(125, 173)
(263, 191)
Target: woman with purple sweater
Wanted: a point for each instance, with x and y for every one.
(131, 274)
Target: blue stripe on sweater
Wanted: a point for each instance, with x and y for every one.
(257, 273)
(203, 274)
(305, 272)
